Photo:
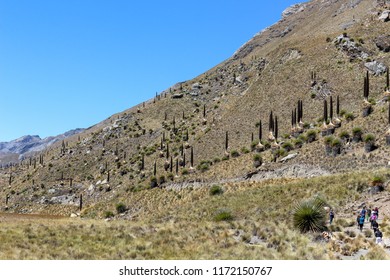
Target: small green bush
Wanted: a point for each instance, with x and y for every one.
(108, 214)
(184, 171)
(369, 138)
(298, 143)
(287, 146)
(234, 153)
(328, 140)
(215, 190)
(357, 131)
(377, 180)
(223, 215)
(245, 150)
(336, 143)
(344, 135)
(120, 208)
(257, 157)
(204, 166)
(349, 116)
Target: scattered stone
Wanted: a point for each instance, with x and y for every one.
(196, 86)
(375, 67)
(73, 215)
(292, 10)
(383, 43)
(385, 16)
(193, 93)
(177, 95)
(291, 156)
(348, 46)
(256, 240)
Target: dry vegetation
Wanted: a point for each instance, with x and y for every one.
(181, 219)
(167, 224)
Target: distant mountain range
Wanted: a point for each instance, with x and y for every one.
(16, 149)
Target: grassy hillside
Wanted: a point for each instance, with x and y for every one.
(150, 168)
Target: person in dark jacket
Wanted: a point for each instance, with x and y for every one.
(357, 219)
(378, 236)
(374, 225)
(331, 216)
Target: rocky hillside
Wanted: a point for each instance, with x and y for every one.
(261, 111)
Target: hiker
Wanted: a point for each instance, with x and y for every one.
(363, 212)
(331, 216)
(376, 210)
(361, 222)
(373, 217)
(368, 214)
(378, 236)
(358, 219)
(374, 225)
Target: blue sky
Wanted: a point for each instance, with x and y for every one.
(70, 64)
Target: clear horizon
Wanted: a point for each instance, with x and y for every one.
(68, 65)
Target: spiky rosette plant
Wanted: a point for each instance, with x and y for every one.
(310, 216)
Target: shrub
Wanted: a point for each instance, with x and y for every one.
(298, 143)
(349, 116)
(357, 131)
(280, 152)
(311, 135)
(223, 215)
(120, 208)
(287, 146)
(302, 137)
(367, 233)
(153, 182)
(257, 160)
(244, 150)
(310, 216)
(257, 157)
(215, 190)
(344, 135)
(216, 160)
(170, 176)
(108, 214)
(225, 157)
(369, 138)
(336, 143)
(328, 140)
(203, 166)
(184, 171)
(377, 180)
(234, 153)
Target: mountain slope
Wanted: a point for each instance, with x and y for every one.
(298, 58)
(30, 144)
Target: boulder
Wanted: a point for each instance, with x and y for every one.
(375, 67)
(196, 86)
(177, 95)
(385, 16)
(383, 43)
(294, 9)
(291, 156)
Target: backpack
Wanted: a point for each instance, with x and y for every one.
(361, 220)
